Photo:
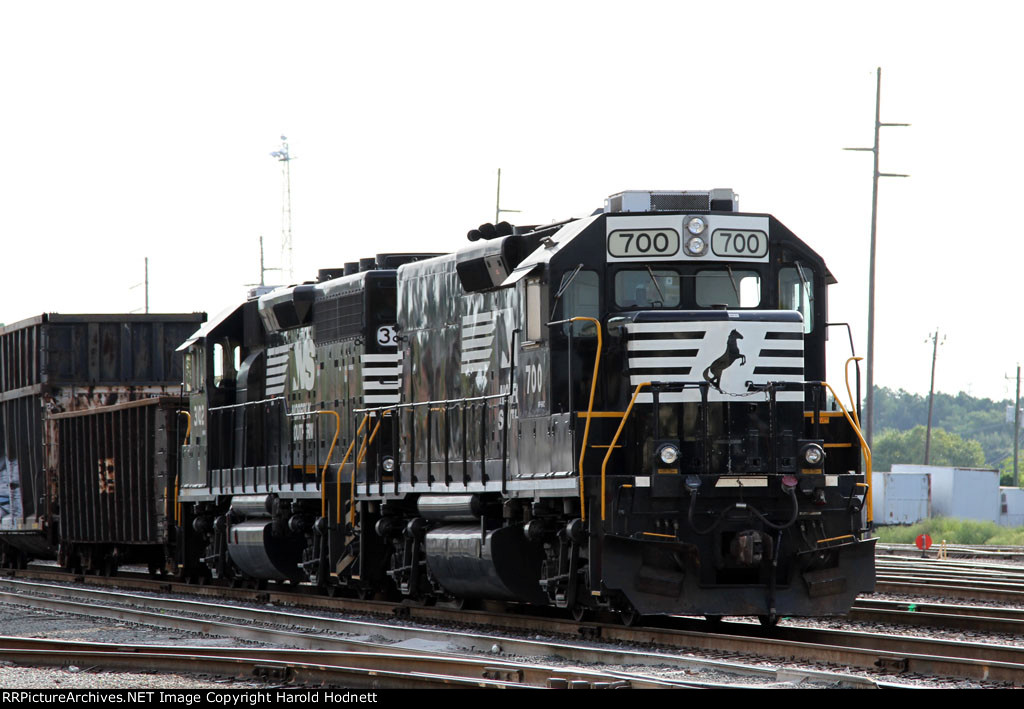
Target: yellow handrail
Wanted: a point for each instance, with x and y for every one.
(846, 371)
(359, 460)
(611, 447)
(177, 476)
(341, 468)
(188, 426)
(863, 445)
(590, 406)
(323, 473)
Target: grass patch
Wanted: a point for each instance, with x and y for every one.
(954, 531)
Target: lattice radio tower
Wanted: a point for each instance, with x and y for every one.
(285, 158)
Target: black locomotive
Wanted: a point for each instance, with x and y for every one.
(625, 411)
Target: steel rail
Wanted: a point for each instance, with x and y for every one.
(428, 660)
(843, 648)
(967, 550)
(959, 617)
(912, 587)
(480, 642)
(951, 566)
(385, 672)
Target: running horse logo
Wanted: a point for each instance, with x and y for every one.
(713, 374)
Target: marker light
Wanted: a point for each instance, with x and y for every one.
(696, 246)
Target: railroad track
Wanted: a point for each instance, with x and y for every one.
(981, 619)
(332, 648)
(282, 667)
(660, 644)
(963, 580)
(970, 551)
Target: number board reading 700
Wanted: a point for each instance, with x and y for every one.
(650, 243)
(648, 237)
(737, 243)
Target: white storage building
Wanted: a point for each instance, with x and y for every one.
(963, 493)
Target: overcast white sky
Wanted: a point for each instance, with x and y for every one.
(144, 129)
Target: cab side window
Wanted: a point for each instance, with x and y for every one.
(581, 299)
(534, 312)
(796, 292)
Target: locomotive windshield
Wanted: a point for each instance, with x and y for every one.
(647, 288)
(728, 286)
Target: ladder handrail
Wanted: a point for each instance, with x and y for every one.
(590, 405)
(611, 447)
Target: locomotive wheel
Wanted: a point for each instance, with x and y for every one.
(580, 612)
(714, 619)
(629, 615)
(769, 621)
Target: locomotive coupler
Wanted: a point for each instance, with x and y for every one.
(747, 548)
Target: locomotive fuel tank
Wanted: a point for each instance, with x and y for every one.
(497, 564)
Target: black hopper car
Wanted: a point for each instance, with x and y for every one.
(625, 411)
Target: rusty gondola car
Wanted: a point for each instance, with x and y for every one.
(55, 363)
(115, 472)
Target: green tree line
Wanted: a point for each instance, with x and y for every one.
(966, 431)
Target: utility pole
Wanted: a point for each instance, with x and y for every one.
(1016, 430)
(497, 202)
(145, 286)
(870, 403)
(931, 394)
(263, 268)
(284, 157)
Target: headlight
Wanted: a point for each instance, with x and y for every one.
(388, 464)
(696, 226)
(813, 455)
(668, 454)
(696, 246)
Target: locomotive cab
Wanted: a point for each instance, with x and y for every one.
(730, 479)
